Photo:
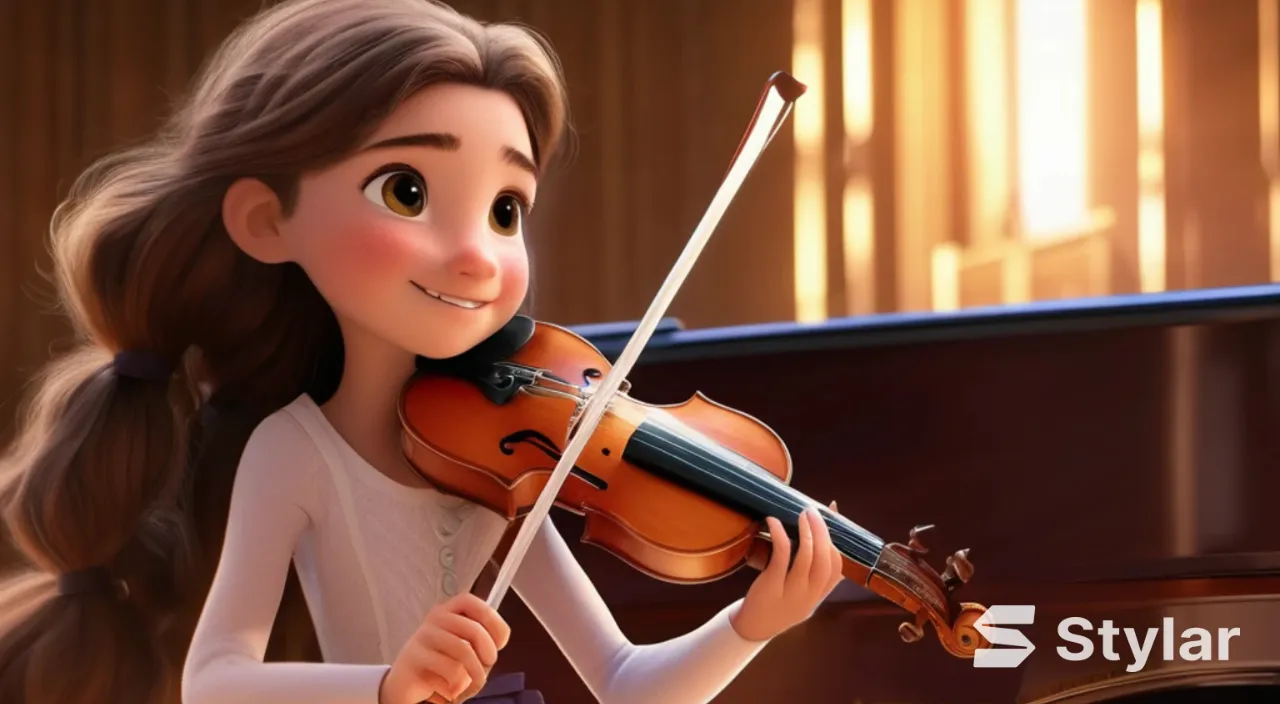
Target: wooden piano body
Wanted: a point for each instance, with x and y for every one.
(1108, 459)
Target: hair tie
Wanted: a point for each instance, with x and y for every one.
(89, 580)
(140, 364)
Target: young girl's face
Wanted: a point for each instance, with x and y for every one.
(418, 237)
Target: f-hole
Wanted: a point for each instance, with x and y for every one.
(548, 447)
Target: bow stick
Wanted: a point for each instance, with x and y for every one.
(775, 105)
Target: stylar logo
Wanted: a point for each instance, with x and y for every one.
(1189, 644)
(989, 626)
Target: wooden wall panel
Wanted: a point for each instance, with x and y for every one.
(924, 149)
(11, 245)
(43, 90)
(1217, 189)
(1113, 133)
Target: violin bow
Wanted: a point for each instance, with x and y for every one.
(780, 94)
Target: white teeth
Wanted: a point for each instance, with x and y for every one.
(460, 302)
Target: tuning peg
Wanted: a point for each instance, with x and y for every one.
(959, 569)
(915, 544)
(910, 632)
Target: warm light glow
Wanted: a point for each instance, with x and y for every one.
(1150, 42)
(1273, 203)
(945, 274)
(987, 84)
(856, 56)
(1269, 81)
(810, 223)
(1151, 195)
(1151, 242)
(1015, 275)
(858, 212)
(1052, 116)
(858, 206)
(1269, 118)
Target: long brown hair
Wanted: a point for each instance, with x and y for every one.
(135, 476)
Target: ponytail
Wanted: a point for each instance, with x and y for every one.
(116, 487)
(92, 498)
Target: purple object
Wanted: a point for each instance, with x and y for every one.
(507, 689)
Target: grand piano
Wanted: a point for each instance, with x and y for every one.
(1110, 459)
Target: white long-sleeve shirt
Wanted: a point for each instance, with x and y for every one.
(374, 556)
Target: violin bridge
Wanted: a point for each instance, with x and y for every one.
(577, 413)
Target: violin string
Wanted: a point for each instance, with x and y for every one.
(907, 574)
(793, 503)
(766, 481)
(743, 475)
(789, 502)
(788, 499)
(851, 540)
(842, 530)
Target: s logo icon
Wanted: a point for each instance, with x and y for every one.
(989, 626)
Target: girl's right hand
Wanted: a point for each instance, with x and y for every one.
(449, 655)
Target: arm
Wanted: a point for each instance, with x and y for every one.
(690, 669)
(225, 661)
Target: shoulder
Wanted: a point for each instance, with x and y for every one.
(283, 435)
(281, 456)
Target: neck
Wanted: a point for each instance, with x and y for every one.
(364, 408)
(663, 445)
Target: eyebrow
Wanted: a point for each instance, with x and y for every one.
(517, 159)
(451, 142)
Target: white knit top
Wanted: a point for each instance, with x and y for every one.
(374, 556)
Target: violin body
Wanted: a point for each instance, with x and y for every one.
(679, 492)
(501, 455)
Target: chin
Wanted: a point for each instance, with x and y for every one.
(437, 346)
(436, 350)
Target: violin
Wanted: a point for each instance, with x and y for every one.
(678, 492)
(536, 416)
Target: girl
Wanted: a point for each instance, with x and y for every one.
(345, 190)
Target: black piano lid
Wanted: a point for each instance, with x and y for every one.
(1175, 308)
(608, 333)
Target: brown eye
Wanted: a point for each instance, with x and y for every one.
(401, 192)
(505, 215)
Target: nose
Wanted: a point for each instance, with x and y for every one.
(473, 256)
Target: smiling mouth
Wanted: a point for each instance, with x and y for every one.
(451, 300)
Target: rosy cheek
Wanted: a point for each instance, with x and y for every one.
(515, 276)
(382, 247)
(366, 256)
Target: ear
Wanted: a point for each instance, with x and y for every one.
(252, 214)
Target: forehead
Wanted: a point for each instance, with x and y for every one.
(482, 117)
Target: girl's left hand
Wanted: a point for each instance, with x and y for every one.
(779, 599)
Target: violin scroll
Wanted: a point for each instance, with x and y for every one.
(960, 638)
(927, 594)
